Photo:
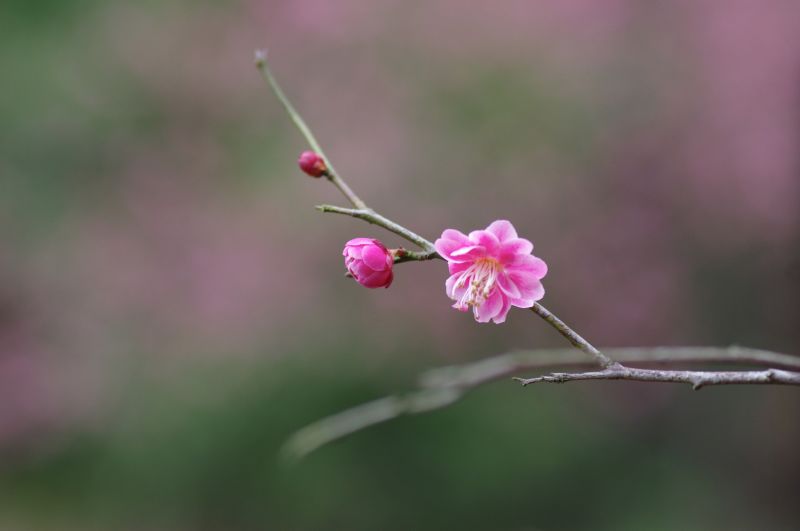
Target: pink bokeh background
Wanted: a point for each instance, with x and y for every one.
(649, 150)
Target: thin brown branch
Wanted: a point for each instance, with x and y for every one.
(500, 367)
(329, 429)
(444, 386)
(404, 255)
(361, 210)
(697, 379)
(573, 337)
(331, 174)
(370, 216)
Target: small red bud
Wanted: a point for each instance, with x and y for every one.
(312, 164)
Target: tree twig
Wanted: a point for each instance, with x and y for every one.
(445, 386)
(611, 369)
(503, 366)
(697, 379)
(474, 374)
(573, 337)
(329, 429)
(404, 255)
(362, 211)
(370, 216)
(332, 174)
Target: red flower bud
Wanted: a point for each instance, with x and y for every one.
(312, 164)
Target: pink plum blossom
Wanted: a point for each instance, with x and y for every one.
(369, 262)
(491, 270)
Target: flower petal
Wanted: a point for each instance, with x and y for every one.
(464, 250)
(490, 307)
(353, 251)
(501, 315)
(450, 289)
(508, 286)
(374, 257)
(503, 230)
(486, 240)
(360, 270)
(361, 241)
(451, 240)
(458, 267)
(455, 293)
(377, 279)
(529, 293)
(467, 254)
(527, 265)
(509, 249)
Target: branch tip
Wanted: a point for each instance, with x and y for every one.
(260, 57)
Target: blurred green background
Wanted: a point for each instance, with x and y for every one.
(172, 308)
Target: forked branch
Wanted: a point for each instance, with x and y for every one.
(611, 369)
(441, 387)
(445, 386)
(363, 212)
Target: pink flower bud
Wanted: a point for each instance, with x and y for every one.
(369, 262)
(312, 164)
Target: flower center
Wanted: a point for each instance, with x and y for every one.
(481, 277)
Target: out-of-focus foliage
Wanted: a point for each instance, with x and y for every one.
(198, 452)
(172, 308)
